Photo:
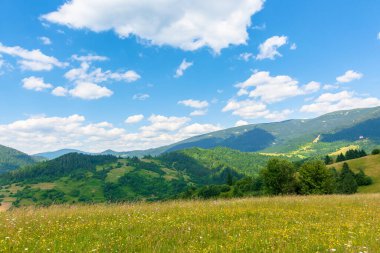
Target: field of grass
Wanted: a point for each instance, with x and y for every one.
(280, 224)
(371, 166)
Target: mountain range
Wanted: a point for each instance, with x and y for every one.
(300, 137)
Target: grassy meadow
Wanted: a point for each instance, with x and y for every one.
(279, 224)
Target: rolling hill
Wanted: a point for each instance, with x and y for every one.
(78, 177)
(11, 159)
(370, 165)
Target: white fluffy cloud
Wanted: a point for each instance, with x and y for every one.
(270, 89)
(196, 129)
(45, 40)
(378, 36)
(269, 49)
(344, 100)
(33, 60)
(349, 76)
(90, 91)
(35, 83)
(42, 133)
(198, 113)
(134, 119)
(197, 104)
(188, 25)
(241, 123)
(251, 109)
(182, 68)
(162, 123)
(60, 91)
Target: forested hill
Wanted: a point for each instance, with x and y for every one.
(78, 177)
(11, 159)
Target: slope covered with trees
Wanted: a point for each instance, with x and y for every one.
(11, 159)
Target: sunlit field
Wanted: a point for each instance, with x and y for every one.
(280, 224)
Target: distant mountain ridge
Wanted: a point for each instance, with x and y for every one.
(58, 153)
(276, 137)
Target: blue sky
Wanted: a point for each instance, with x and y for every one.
(127, 75)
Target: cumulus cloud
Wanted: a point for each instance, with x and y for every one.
(349, 76)
(134, 119)
(378, 36)
(241, 123)
(90, 91)
(344, 100)
(141, 96)
(251, 109)
(60, 91)
(182, 68)
(162, 123)
(41, 133)
(247, 109)
(33, 60)
(35, 83)
(293, 46)
(269, 49)
(196, 129)
(198, 113)
(188, 25)
(312, 87)
(196, 104)
(86, 80)
(270, 89)
(45, 40)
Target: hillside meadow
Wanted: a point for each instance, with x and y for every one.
(370, 165)
(279, 224)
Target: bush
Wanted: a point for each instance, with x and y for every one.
(376, 151)
(362, 179)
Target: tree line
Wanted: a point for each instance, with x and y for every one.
(282, 177)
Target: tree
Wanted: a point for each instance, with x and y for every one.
(340, 158)
(279, 177)
(376, 151)
(328, 160)
(315, 178)
(229, 179)
(362, 179)
(347, 182)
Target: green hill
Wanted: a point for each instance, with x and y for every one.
(248, 163)
(371, 166)
(78, 177)
(11, 159)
